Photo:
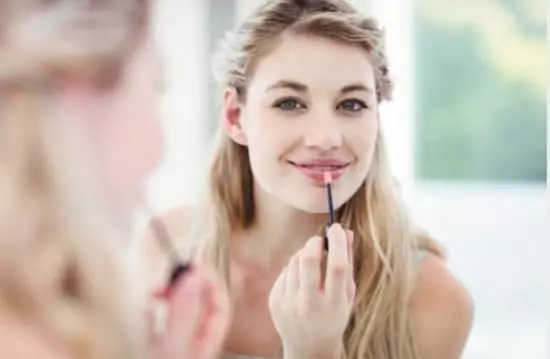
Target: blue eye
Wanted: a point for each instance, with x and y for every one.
(353, 105)
(289, 104)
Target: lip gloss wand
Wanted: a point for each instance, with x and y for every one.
(178, 267)
(328, 183)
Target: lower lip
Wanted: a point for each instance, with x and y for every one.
(318, 174)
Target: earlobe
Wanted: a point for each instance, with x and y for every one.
(232, 117)
(238, 135)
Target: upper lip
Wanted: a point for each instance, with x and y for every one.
(321, 162)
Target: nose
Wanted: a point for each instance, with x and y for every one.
(323, 133)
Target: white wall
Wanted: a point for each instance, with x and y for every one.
(181, 33)
(498, 247)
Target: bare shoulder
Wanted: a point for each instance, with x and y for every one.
(442, 311)
(153, 255)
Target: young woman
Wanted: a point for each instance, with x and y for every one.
(302, 82)
(78, 136)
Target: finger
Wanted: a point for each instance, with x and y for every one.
(293, 276)
(337, 265)
(217, 329)
(351, 278)
(217, 318)
(185, 311)
(152, 330)
(310, 269)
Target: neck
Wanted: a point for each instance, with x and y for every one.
(278, 232)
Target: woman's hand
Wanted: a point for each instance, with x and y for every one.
(311, 314)
(196, 321)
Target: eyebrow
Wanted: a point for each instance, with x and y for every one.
(300, 87)
(356, 87)
(293, 85)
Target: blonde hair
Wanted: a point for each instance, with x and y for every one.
(384, 235)
(61, 263)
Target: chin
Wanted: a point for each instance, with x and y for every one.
(313, 203)
(313, 206)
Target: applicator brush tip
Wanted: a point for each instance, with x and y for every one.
(328, 177)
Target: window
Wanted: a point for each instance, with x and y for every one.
(480, 84)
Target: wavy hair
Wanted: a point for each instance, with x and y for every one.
(385, 239)
(60, 263)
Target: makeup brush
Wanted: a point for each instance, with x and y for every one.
(178, 266)
(328, 183)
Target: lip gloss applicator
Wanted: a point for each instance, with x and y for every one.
(328, 183)
(178, 266)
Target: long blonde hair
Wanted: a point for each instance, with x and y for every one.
(385, 238)
(61, 264)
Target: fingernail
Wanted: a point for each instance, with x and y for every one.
(336, 227)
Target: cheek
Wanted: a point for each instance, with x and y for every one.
(262, 154)
(267, 141)
(363, 139)
(132, 145)
(362, 142)
(145, 135)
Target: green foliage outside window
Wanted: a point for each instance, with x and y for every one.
(480, 75)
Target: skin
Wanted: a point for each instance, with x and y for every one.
(277, 255)
(123, 130)
(125, 137)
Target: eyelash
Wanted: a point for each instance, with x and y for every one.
(297, 102)
(362, 104)
(282, 101)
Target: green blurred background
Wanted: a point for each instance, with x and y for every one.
(480, 75)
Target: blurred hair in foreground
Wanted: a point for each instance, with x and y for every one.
(60, 260)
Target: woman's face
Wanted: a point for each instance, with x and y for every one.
(311, 108)
(124, 131)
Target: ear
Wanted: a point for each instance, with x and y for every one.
(232, 116)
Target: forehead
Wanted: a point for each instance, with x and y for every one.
(317, 62)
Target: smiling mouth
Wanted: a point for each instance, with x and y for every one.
(316, 171)
(319, 167)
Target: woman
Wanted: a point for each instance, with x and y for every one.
(302, 83)
(78, 136)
